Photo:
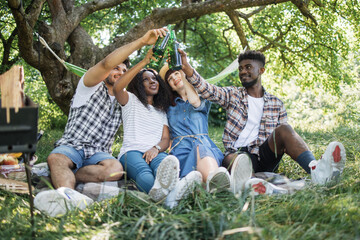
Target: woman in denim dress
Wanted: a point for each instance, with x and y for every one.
(188, 123)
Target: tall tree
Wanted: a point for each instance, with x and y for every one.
(311, 33)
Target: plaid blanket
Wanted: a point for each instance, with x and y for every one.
(104, 190)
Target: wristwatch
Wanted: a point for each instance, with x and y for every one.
(157, 147)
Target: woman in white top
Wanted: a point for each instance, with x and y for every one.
(146, 132)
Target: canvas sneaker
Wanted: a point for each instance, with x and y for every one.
(218, 180)
(241, 171)
(330, 166)
(183, 188)
(167, 176)
(58, 202)
(259, 186)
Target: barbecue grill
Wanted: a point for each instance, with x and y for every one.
(20, 135)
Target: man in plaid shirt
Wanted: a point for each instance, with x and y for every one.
(256, 122)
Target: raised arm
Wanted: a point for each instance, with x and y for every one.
(101, 70)
(191, 94)
(119, 87)
(219, 95)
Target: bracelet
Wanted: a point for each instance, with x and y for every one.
(157, 147)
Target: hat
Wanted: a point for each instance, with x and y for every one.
(163, 71)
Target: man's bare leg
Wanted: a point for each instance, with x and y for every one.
(287, 141)
(229, 160)
(61, 173)
(106, 170)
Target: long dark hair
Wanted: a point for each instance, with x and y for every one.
(173, 94)
(161, 99)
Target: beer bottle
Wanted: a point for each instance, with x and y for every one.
(175, 57)
(159, 50)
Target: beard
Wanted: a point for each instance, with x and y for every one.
(249, 84)
(108, 81)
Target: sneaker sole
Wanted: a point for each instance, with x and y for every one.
(219, 181)
(191, 180)
(241, 171)
(336, 154)
(58, 202)
(51, 202)
(167, 176)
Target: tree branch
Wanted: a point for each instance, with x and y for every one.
(79, 13)
(25, 30)
(164, 16)
(57, 11)
(227, 43)
(302, 5)
(238, 28)
(6, 62)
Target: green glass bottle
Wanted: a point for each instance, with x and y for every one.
(175, 57)
(159, 51)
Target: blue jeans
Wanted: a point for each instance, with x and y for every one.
(138, 170)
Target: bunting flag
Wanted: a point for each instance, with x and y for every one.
(224, 73)
(70, 67)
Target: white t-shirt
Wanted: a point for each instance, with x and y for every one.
(251, 129)
(143, 127)
(83, 93)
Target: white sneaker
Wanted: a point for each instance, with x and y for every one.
(241, 171)
(330, 165)
(167, 176)
(58, 202)
(183, 188)
(218, 180)
(259, 186)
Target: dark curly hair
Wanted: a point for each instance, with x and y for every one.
(252, 55)
(173, 94)
(161, 99)
(127, 62)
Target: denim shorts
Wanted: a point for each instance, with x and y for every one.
(78, 156)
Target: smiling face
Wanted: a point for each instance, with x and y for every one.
(151, 84)
(250, 72)
(115, 74)
(175, 81)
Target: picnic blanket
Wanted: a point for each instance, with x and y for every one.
(104, 190)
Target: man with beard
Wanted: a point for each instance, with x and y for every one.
(257, 126)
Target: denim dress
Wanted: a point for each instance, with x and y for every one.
(188, 130)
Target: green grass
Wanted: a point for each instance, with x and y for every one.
(314, 213)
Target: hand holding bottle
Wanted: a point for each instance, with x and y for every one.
(151, 36)
(186, 67)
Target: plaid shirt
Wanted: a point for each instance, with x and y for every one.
(235, 101)
(92, 127)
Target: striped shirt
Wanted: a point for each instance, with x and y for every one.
(235, 101)
(143, 127)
